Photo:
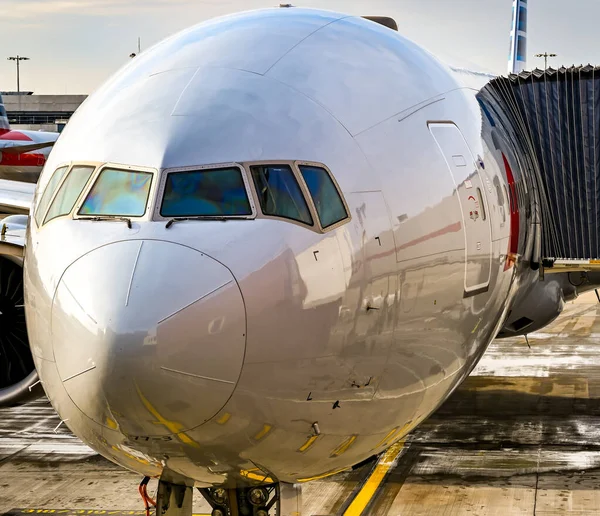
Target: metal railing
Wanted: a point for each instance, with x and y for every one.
(37, 118)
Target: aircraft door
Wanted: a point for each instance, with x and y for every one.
(475, 212)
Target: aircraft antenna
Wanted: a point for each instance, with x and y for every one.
(133, 54)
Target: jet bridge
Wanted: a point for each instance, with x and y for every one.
(554, 121)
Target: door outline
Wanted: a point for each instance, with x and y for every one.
(470, 290)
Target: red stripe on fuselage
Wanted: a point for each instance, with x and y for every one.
(513, 239)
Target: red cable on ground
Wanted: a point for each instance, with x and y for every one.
(146, 506)
(152, 502)
(143, 490)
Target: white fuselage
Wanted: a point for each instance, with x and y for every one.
(206, 351)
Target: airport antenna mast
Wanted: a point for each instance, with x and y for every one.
(18, 59)
(545, 55)
(517, 60)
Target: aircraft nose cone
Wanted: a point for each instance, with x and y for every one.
(148, 336)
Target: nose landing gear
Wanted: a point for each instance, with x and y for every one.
(270, 500)
(250, 501)
(171, 499)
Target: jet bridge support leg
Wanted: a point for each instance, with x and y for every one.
(173, 500)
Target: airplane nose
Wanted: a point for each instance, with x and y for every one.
(148, 336)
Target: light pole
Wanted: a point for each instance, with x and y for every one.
(18, 59)
(545, 55)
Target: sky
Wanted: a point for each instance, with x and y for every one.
(76, 45)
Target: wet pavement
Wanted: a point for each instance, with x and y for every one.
(520, 436)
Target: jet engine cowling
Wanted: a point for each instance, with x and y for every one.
(18, 375)
(540, 302)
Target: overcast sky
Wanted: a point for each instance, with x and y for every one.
(75, 45)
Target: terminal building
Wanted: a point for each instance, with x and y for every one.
(40, 112)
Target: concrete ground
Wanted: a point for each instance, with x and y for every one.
(520, 436)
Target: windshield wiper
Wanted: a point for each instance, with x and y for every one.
(108, 218)
(207, 217)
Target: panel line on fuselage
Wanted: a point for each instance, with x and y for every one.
(194, 302)
(196, 375)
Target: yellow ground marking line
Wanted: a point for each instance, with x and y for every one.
(575, 388)
(89, 512)
(585, 322)
(558, 327)
(311, 440)
(387, 461)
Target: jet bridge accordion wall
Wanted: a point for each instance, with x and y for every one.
(554, 118)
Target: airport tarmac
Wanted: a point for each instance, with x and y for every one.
(520, 436)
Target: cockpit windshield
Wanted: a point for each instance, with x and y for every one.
(51, 187)
(206, 193)
(118, 193)
(69, 191)
(279, 193)
(302, 192)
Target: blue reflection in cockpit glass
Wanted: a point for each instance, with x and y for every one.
(279, 193)
(198, 193)
(328, 202)
(119, 193)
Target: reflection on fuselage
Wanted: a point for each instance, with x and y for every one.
(208, 349)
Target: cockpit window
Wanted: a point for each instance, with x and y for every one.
(118, 193)
(279, 193)
(53, 183)
(69, 191)
(325, 195)
(205, 193)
